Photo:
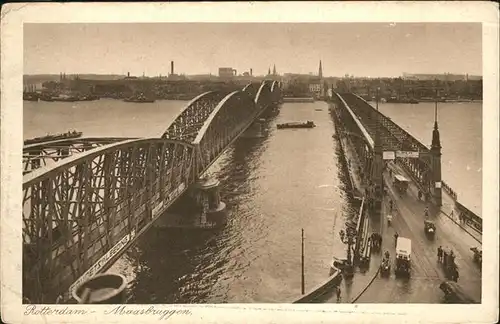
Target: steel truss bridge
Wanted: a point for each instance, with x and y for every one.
(374, 135)
(86, 200)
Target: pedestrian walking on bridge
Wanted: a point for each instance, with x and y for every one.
(440, 253)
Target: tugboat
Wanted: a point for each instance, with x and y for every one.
(308, 124)
(48, 138)
(139, 99)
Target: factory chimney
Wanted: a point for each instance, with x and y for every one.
(251, 72)
(172, 67)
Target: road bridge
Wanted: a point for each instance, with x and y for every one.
(86, 200)
(383, 149)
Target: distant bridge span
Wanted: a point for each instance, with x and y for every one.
(83, 209)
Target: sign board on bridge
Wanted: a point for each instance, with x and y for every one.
(388, 155)
(438, 184)
(407, 154)
(101, 263)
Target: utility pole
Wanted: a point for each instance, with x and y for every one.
(377, 97)
(303, 284)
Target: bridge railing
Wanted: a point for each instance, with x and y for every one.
(449, 190)
(470, 217)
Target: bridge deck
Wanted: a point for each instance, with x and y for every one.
(423, 287)
(427, 274)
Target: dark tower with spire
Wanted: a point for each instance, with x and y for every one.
(274, 69)
(436, 158)
(320, 72)
(269, 71)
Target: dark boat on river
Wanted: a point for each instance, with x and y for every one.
(30, 96)
(139, 99)
(55, 137)
(308, 124)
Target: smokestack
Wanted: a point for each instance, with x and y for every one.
(128, 74)
(251, 72)
(172, 67)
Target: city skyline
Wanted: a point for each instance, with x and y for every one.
(417, 48)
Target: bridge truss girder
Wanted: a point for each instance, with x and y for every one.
(264, 97)
(251, 89)
(186, 126)
(394, 138)
(234, 114)
(77, 209)
(81, 207)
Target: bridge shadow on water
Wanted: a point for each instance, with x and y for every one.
(198, 266)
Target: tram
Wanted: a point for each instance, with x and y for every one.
(401, 183)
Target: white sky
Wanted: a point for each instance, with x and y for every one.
(360, 49)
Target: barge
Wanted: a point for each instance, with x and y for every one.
(308, 124)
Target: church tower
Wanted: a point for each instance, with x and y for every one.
(274, 69)
(320, 72)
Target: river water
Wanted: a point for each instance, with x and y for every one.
(273, 187)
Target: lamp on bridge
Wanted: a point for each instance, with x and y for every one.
(348, 237)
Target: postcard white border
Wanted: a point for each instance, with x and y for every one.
(14, 15)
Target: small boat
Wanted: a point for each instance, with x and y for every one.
(139, 99)
(308, 124)
(30, 96)
(48, 138)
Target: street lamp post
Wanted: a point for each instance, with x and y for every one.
(348, 237)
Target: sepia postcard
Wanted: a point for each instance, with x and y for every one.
(249, 162)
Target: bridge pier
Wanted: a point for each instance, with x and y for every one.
(213, 212)
(200, 208)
